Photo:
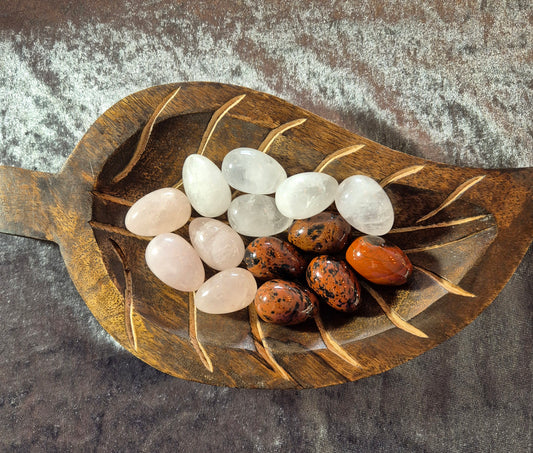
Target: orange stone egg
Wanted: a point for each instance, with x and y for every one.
(283, 302)
(335, 282)
(379, 261)
(326, 232)
(270, 257)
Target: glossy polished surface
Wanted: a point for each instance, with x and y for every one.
(326, 232)
(205, 186)
(334, 282)
(161, 211)
(365, 205)
(175, 262)
(270, 257)
(256, 215)
(285, 302)
(227, 291)
(252, 171)
(219, 246)
(379, 261)
(306, 194)
(480, 402)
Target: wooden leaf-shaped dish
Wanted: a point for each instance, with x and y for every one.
(464, 229)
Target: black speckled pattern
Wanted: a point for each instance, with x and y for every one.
(270, 257)
(447, 81)
(284, 302)
(334, 282)
(326, 232)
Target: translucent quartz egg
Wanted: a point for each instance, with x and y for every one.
(161, 211)
(365, 205)
(205, 186)
(252, 171)
(175, 262)
(256, 215)
(306, 194)
(219, 246)
(228, 291)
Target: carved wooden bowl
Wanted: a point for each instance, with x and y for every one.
(465, 230)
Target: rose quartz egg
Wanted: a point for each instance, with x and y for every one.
(219, 245)
(161, 211)
(228, 291)
(175, 262)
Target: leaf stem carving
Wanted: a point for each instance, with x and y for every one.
(337, 155)
(129, 308)
(332, 345)
(145, 136)
(444, 244)
(274, 133)
(115, 229)
(112, 198)
(215, 119)
(456, 194)
(193, 335)
(261, 345)
(394, 317)
(439, 225)
(445, 283)
(401, 174)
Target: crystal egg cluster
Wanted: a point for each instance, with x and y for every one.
(293, 276)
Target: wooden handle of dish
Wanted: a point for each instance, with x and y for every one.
(25, 199)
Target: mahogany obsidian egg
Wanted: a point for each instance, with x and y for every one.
(270, 257)
(335, 282)
(283, 302)
(379, 261)
(326, 232)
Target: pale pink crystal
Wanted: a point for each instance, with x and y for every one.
(228, 291)
(219, 245)
(161, 211)
(175, 262)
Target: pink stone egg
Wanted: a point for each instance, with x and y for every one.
(161, 211)
(175, 262)
(219, 245)
(228, 291)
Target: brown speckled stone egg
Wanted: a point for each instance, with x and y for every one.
(379, 261)
(270, 257)
(334, 282)
(283, 302)
(326, 232)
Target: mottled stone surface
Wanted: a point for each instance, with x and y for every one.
(442, 80)
(334, 282)
(285, 302)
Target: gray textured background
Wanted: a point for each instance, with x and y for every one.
(448, 83)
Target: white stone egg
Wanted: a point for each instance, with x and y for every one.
(256, 216)
(365, 205)
(206, 188)
(252, 171)
(306, 194)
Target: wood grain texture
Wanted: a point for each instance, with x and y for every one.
(70, 208)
